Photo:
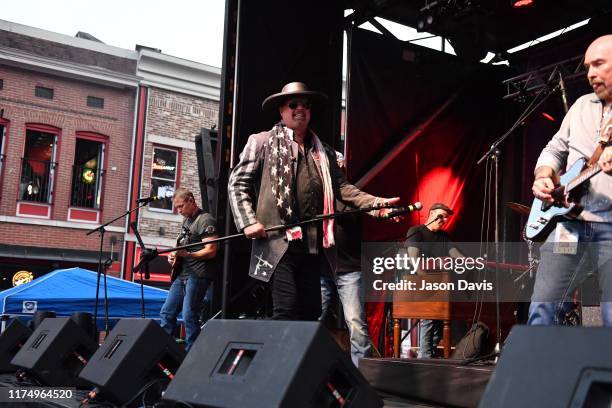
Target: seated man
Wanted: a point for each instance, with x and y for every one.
(430, 240)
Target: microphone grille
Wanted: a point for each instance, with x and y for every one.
(418, 205)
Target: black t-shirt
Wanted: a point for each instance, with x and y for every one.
(195, 229)
(432, 244)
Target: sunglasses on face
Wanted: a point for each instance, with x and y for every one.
(295, 104)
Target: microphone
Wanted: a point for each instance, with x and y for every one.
(397, 211)
(563, 92)
(148, 200)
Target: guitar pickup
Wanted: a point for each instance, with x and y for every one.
(534, 226)
(542, 220)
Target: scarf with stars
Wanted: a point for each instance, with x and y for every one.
(281, 172)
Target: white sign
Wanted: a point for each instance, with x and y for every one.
(29, 306)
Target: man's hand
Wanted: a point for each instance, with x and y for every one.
(172, 258)
(542, 189)
(605, 160)
(544, 184)
(384, 211)
(255, 231)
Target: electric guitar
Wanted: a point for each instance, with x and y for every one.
(544, 216)
(177, 266)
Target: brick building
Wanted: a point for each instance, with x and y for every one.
(66, 145)
(182, 98)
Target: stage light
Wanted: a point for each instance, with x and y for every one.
(425, 21)
(522, 3)
(548, 117)
(430, 14)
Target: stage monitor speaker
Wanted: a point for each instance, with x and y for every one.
(137, 353)
(257, 363)
(85, 321)
(553, 366)
(11, 340)
(56, 352)
(38, 318)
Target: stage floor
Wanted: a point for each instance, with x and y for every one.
(430, 382)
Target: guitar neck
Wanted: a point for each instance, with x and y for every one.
(583, 176)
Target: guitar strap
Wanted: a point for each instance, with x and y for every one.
(187, 229)
(605, 136)
(180, 241)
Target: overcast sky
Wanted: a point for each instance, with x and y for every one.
(190, 29)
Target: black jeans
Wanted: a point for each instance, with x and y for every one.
(296, 289)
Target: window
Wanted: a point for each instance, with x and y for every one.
(163, 177)
(95, 102)
(87, 173)
(38, 166)
(43, 92)
(1, 84)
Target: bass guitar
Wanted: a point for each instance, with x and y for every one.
(544, 216)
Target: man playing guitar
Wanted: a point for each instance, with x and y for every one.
(192, 269)
(574, 244)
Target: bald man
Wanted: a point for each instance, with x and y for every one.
(560, 273)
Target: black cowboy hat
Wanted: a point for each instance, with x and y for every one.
(293, 89)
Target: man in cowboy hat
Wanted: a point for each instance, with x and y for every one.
(285, 175)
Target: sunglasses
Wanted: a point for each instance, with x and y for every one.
(295, 104)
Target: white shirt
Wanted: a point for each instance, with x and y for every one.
(577, 138)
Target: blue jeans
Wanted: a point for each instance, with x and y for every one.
(186, 294)
(350, 292)
(429, 337)
(560, 274)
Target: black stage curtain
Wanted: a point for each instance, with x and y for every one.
(394, 87)
(280, 42)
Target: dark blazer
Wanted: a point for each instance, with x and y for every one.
(252, 201)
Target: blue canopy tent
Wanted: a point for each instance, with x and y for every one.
(65, 291)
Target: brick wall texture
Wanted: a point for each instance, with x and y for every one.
(69, 112)
(66, 52)
(180, 117)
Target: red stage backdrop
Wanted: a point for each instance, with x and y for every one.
(441, 113)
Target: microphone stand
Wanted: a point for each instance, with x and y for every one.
(493, 154)
(149, 254)
(425, 225)
(147, 276)
(545, 93)
(102, 229)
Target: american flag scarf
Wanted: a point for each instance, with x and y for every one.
(281, 172)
